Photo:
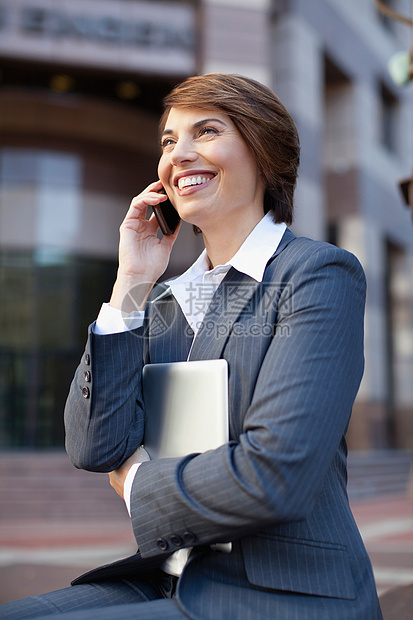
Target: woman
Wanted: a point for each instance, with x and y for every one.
(287, 315)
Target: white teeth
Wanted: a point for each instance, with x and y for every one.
(188, 181)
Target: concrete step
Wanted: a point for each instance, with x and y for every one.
(45, 484)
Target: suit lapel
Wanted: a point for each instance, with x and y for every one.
(170, 336)
(230, 300)
(231, 297)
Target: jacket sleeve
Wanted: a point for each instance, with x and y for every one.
(297, 417)
(104, 417)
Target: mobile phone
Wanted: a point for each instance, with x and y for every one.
(166, 214)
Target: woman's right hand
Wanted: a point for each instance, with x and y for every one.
(143, 257)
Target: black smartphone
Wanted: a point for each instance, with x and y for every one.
(166, 214)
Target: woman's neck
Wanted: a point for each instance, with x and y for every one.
(222, 244)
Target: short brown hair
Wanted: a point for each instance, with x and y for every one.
(263, 122)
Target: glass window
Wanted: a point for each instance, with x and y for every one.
(389, 109)
(45, 308)
(48, 293)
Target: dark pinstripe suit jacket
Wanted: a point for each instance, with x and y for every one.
(277, 490)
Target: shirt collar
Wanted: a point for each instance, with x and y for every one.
(251, 258)
(258, 247)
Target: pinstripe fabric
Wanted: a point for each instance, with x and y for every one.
(87, 435)
(294, 345)
(106, 600)
(152, 610)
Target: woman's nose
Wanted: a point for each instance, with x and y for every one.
(183, 151)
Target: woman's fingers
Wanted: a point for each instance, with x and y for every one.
(139, 204)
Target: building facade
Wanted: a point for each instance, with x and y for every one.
(81, 85)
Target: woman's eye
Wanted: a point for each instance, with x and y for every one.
(166, 142)
(207, 130)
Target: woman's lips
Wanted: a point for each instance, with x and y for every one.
(193, 182)
(193, 179)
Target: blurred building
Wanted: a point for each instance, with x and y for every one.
(81, 85)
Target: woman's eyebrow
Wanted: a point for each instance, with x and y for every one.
(197, 125)
(207, 120)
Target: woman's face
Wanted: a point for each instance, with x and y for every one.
(208, 171)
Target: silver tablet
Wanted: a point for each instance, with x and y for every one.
(186, 407)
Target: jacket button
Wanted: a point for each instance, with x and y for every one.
(87, 359)
(189, 537)
(176, 540)
(88, 376)
(85, 392)
(162, 544)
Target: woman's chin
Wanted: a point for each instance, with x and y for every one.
(192, 219)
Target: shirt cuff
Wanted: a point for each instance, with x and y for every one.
(127, 486)
(114, 321)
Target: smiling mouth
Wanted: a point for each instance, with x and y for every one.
(193, 180)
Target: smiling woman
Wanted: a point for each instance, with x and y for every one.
(287, 315)
(261, 120)
(211, 178)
